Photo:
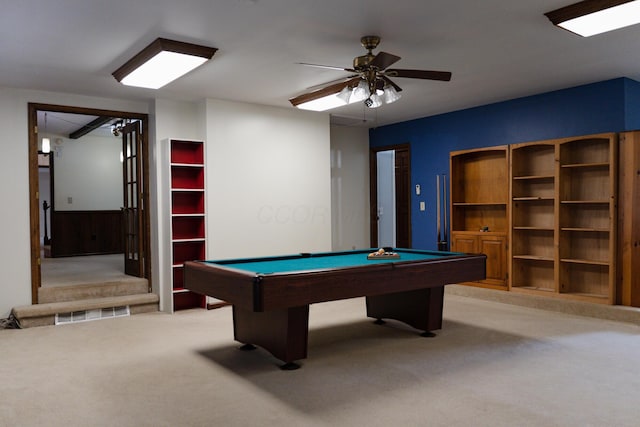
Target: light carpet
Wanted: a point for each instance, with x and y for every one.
(492, 364)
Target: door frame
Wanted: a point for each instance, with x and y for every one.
(373, 190)
(34, 196)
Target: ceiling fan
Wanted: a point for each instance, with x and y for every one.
(369, 82)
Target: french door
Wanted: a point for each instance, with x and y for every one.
(133, 208)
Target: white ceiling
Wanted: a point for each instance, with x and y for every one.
(496, 49)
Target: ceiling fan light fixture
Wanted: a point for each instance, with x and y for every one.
(390, 95)
(345, 94)
(360, 92)
(162, 62)
(591, 17)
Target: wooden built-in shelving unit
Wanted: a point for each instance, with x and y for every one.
(533, 212)
(587, 220)
(553, 204)
(479, 208)
(563, 218)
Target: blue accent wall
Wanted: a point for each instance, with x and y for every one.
(608, 106)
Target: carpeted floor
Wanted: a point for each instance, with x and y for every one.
(492, 364)
(80, 270)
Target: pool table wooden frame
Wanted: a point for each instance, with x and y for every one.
(272, 310)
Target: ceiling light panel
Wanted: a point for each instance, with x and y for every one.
(162, 62)
(591, 17)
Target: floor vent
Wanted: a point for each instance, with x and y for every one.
(88, 315)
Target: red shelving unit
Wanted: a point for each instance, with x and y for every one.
(188, 237)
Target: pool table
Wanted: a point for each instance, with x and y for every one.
(271, 295)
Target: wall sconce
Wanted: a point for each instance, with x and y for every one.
(591, 17)
(162, 62)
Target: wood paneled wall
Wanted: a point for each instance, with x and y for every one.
(86, 233)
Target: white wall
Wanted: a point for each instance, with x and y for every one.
(268, 180)
(349, 188)
(15, 259)
(87, 173)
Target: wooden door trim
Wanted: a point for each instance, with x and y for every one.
(373, 190)
(34, 197)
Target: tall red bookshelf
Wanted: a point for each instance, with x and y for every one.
(188, 236)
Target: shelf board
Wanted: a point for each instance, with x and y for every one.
(480, 204)
(586, 295)
(584, 261)
(586, 165)
(585, 202)
(532, 288)
(586, 230)
(195, 239)
(188, 190)
(534, 228)
(533, 198)
(478, 232)
(187, 165)
(534, 177)
(180, 290)
(533, 258)
(188, 215)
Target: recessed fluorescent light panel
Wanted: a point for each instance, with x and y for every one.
(591, 17)
(322, 104)
(162, 62)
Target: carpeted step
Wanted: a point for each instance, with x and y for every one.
(131, 286)
(45, 314)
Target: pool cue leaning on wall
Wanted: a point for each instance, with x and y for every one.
(438, 210)
(441, 214)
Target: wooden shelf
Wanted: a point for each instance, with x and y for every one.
(585, 202)
(535, 228)
(533, 257)
(585, 261)
(534, 288)
(586, 165)
(586, 230)
(532, 198)
(479, 204)
(534, 177)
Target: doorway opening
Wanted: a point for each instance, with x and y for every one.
(390, 195)
(117, 232)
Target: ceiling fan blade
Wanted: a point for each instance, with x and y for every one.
(340, 80)
(391, 83)
(328, 67)
(383, 60)
(321, 93)
(420, 74)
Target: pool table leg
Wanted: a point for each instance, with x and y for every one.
(421, 308)
(282, 333)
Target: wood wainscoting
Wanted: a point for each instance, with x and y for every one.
(86, 233)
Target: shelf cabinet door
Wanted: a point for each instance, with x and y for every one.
(495, 248)
(467, 243)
